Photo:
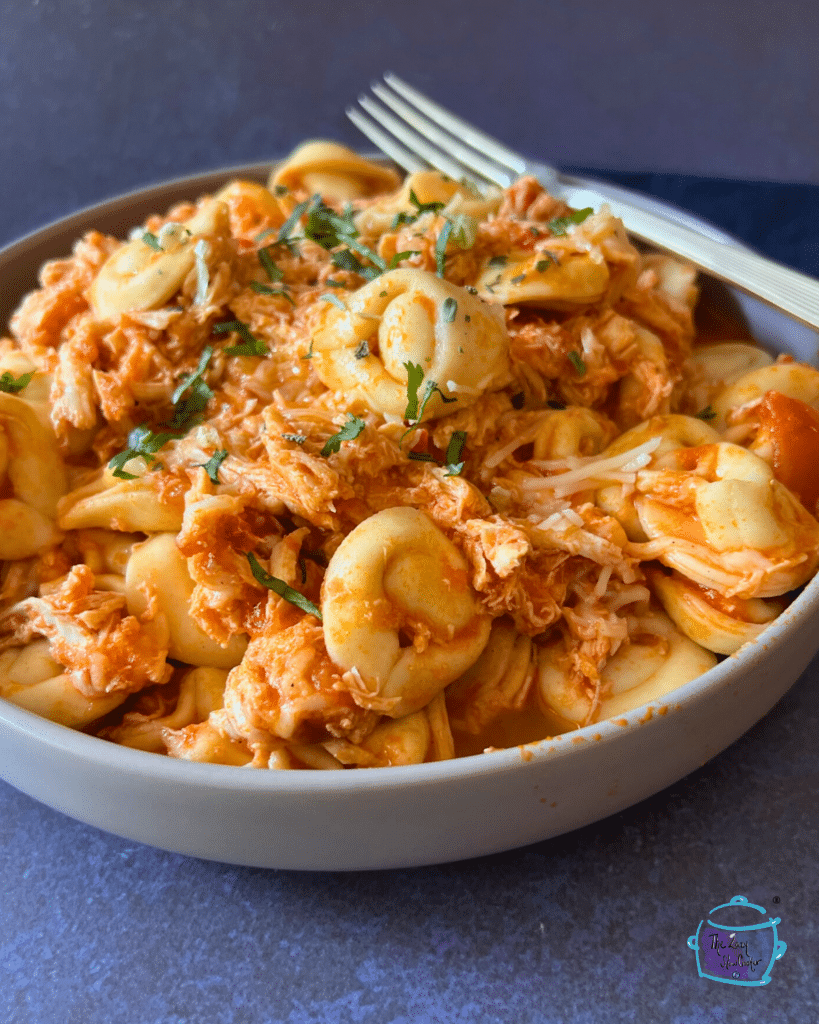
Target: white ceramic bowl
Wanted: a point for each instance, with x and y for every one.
(392, 817)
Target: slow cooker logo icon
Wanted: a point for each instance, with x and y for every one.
(734, 946)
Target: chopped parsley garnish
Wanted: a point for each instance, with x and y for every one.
(328, 228)
(401, 256)
(706, 414)
(559, 225)
(543, 265)
(11, 385)
(280, 190)
(471, 289)
(336, 301)
(298, 212)
(334, 284)
(309, 354)
(464, 230)
(497, 261)
(517, 279)
(453, 454)
(251, 345)
(211, 467)
(577, 362)
(145, 442)
(266, 289)
(415, 409)
(185, 412)
(454, 449)
(270, 268)
(281, 588)
(362, 351)
(440, 248)
(295, 438)
(367, 253)
(344, 259)
(415, 377)
(449, 310)
(150, 239)
(349, 432)
(424, 207)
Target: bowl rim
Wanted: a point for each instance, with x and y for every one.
(94, 751)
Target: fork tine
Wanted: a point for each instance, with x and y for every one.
(410, 138)
(494, 173)
(463, 129)
(386, 143)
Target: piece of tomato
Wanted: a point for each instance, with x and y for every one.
(792, 426)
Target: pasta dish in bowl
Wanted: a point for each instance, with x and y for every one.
(345, 472)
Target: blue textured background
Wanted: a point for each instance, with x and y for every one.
(97, 97)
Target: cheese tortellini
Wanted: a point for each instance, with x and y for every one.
(412, 316)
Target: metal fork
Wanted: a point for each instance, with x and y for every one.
(417, 133)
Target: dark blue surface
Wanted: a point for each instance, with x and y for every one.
(99, 96)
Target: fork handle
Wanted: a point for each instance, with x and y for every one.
(788, 290)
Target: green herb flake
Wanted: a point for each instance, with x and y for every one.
(335, 300)
(298, 212)
(273, 272)
(577, 362)
(415, 377)
(281, 588)
(142, 442)
(518, 279)
(198, 394)
(334, 284)
(471, 289)
(151, 240)
(327, 228)
(211, 467)
(706, 414)
(367, 253)
(11, 385)
(464, 230)
(424, 207)
(449, 309)
(266, 289)
(401, 256)
(420, 456)
(309, 354)
(455, 447)
(497, 261)
(251, 345)
(559, 225)
(362, 351)
(280, 190)
(440, 248)
(349, 432)
(295, 438)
